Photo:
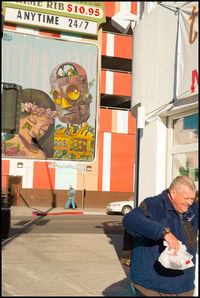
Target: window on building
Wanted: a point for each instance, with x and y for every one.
(183, 146)
(116, 64)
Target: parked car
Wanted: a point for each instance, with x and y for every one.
(120, 207)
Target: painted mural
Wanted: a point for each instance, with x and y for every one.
(71, 94)
(59, 98)
(37, 119)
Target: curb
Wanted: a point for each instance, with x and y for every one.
(43, 211)
(56, 213)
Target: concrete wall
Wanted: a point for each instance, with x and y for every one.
(153, 86)
(153, 59)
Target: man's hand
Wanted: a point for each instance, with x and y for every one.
(173, 243)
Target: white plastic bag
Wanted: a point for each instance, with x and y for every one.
(181, 261)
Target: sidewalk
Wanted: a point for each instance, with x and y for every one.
(63, 264)
(33, 211)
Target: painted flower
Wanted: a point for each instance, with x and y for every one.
(11, 150)
(3, 147)
(55, 115)
(48, 115)
(28, 107)
(41, 112)
(35, 109)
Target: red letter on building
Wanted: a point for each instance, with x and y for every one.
(195, 75)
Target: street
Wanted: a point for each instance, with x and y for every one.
(107, 224)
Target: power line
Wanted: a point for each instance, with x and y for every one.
(172, 7)
(162, 107)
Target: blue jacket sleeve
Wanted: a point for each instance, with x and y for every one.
(138, 224)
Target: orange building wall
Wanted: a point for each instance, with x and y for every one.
(122, 144)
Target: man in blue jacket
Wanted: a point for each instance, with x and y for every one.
(171, 216)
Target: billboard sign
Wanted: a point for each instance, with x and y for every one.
(60, 91)
(187, 59)
(77, 17)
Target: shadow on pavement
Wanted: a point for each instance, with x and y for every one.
(119, 289)
(114, 231)
(14, 233)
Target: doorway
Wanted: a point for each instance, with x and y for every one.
(14, 188)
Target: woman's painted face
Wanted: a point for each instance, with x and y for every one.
(33, 126)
